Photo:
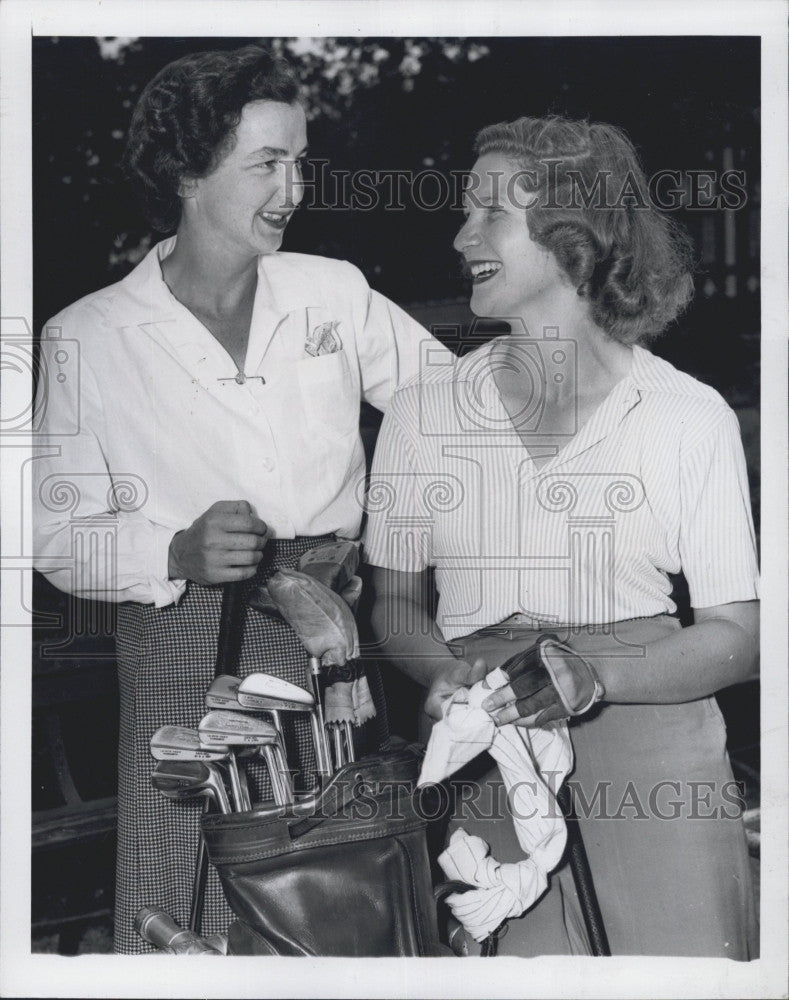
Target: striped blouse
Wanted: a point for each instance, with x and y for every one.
(652, 484)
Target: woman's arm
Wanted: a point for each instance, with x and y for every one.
(412, 641)
(721, 648)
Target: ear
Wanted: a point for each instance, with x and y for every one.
(187, 187)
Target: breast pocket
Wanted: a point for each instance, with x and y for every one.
(329, 395)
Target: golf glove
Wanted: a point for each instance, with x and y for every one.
(551, 681)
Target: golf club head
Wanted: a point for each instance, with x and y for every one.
(189, 778)
(181, 743)
(223, 695)
(265, 692)
(234, 729)
(223, 692)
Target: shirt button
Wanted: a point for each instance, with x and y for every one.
(267, 464)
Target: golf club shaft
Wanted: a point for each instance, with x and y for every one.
(339, 756)
(349, 747)
(242, 777)
(322, 744)
(287, 784)
(287, 788)
(272, 764)
(235, 784)
(200, 879)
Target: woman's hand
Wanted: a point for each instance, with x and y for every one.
(548, 681)
(450, 679)
(223, 545)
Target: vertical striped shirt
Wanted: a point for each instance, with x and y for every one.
(653, 483)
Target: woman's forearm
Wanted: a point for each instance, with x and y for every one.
(720, 649)
(410, 639)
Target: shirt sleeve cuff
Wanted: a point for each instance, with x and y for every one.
(164, 590)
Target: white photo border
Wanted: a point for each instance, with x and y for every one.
(25, 974)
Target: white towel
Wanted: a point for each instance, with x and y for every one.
(525, 757)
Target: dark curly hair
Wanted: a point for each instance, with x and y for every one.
(633, 263)
(186, 117)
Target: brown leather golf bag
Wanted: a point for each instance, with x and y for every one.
(348, 876)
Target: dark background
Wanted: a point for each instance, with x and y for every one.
(377, 104)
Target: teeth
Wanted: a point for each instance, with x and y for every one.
(483, 267)
(273, 216)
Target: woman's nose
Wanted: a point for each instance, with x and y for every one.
(467, 237)
(292, 183)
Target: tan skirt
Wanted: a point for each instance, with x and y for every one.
(660, 816)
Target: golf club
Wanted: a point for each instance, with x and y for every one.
(235, 729)
(224, 694)
(184, 779)
(181, 743)
(212, 735)
(263, 692)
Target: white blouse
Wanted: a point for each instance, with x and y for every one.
(652, 484)
(147, 427)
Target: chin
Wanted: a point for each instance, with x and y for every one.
(268, 246)
(485, 308)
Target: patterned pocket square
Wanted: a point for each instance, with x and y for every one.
(324, 339)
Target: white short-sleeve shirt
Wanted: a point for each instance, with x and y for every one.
(652, 484)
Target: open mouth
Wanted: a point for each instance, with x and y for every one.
(277, 220)
(482, 270)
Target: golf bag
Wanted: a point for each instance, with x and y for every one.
(348, 875)
(345, 873)
(351, 877)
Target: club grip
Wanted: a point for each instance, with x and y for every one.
(159, 929)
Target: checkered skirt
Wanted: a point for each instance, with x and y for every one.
(165, 664)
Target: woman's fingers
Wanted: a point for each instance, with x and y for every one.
(500, 698)
(479, 669)
(509, 713)
(239, 541)
(234, 557)
(232, 574)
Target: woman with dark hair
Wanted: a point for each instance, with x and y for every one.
(553, 479)
(217, 409)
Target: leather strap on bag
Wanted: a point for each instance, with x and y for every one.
(490, 946)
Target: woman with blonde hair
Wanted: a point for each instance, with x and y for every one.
(552, 480)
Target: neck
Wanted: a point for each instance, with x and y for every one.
(207, 274)
(599, 360)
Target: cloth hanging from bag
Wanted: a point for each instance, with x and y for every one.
(534, 761)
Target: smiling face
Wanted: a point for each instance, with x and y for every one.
(509, 271)
(243, 206)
